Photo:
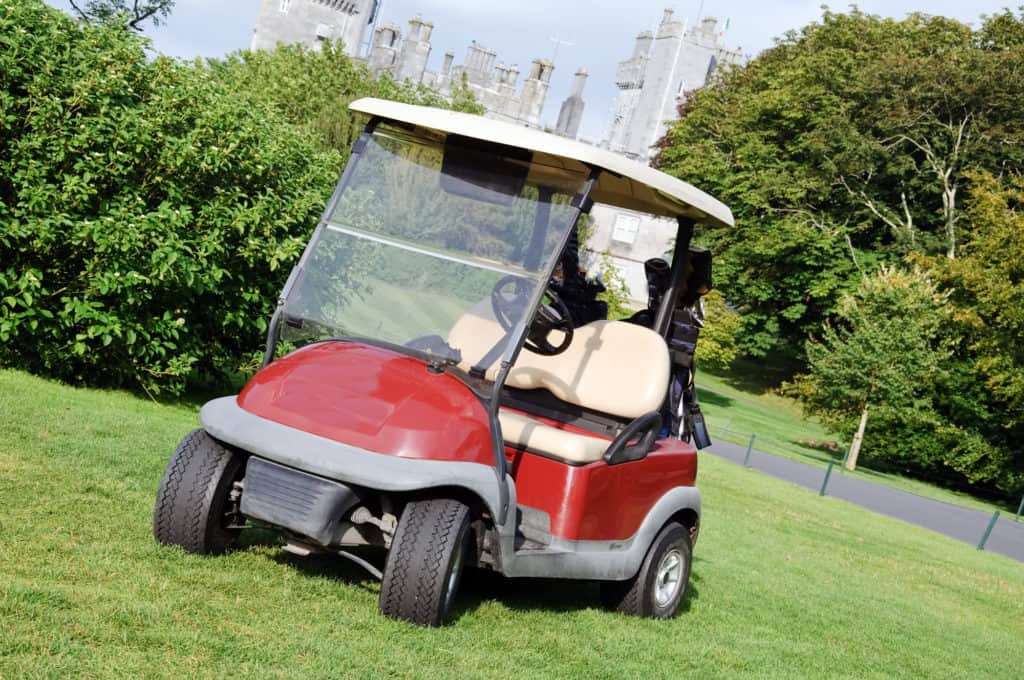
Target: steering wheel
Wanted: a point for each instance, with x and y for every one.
(550, 317)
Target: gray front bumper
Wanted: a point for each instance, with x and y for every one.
(225, 420)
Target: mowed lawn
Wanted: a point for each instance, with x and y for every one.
(785, 583)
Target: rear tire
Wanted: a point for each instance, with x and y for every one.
(425, 562)
(193, 507)
(658, 588)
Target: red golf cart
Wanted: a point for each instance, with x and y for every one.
(456, 397)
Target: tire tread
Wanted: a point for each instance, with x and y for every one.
(184, 502)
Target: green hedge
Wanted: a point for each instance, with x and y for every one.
(150, 209)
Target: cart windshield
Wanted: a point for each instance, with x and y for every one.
(422, 237)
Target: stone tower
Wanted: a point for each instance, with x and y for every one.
(412, 58)
(571, 113)
(387, 41)
(535, 91)
(653, 82)
(311, 22)
(494, 84)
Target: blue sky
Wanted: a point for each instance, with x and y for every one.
(601, 31)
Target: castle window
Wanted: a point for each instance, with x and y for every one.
(285, 4)
(626, 227)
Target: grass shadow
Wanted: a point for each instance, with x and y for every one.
(708, 397)
(542, 594)
(754, 376)
(478, 585)
(335, 567)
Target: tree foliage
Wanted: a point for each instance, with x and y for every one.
(883, 351)
(314, 89)
(718, 347)
(616, 291)
(844, 147)
(128, 14)
(986, 383)
(149, 209)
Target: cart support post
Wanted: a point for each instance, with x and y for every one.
(677, 276)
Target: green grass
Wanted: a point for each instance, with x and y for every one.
(735, 406)
(785, 583)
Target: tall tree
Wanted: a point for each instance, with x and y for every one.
(882, 354)
(988, 290)
(132, 13)
(844, 147)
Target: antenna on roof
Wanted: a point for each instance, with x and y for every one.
(558, 43)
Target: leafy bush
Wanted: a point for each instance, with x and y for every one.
(616, 292)
(148, 211)
(718, 346)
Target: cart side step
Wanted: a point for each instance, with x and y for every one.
(533, 529)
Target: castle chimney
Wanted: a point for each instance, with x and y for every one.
(580, 82)
(449, 58)
(415, 24)
(667, 16)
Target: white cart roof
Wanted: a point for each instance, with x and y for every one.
(626, 184)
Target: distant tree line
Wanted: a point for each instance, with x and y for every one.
(150, 209)
(874, 167)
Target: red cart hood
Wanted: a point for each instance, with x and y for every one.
(373, 398)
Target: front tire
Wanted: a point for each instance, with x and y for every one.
(425, 562)
(658, 588)
(193, 505)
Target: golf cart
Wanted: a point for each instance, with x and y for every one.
(445, 403)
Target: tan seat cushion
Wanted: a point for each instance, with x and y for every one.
(611, 366)
(520, 430)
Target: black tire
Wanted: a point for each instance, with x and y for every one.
(193, 502)
(639, 596)
(425, 562)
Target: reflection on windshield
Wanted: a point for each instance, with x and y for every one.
(405, 262)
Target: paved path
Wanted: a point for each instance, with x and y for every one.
(954, 521)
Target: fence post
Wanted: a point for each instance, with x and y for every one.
(1019, 508)
(828, 473)
(750, 447)
(988, 531)
(846, 454)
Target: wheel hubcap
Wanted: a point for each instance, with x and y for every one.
(669, 577)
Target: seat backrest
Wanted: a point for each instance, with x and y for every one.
(611, 366)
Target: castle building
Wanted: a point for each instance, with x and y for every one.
(311, 22)
(654, 81)
(495, 85)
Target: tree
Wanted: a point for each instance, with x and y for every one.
(882, 354)
(616, 292)
(150, 209)
(147, 212)
(987, 284)
(717, 347)
(313, 88)
(131, 14)
(844, 147)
